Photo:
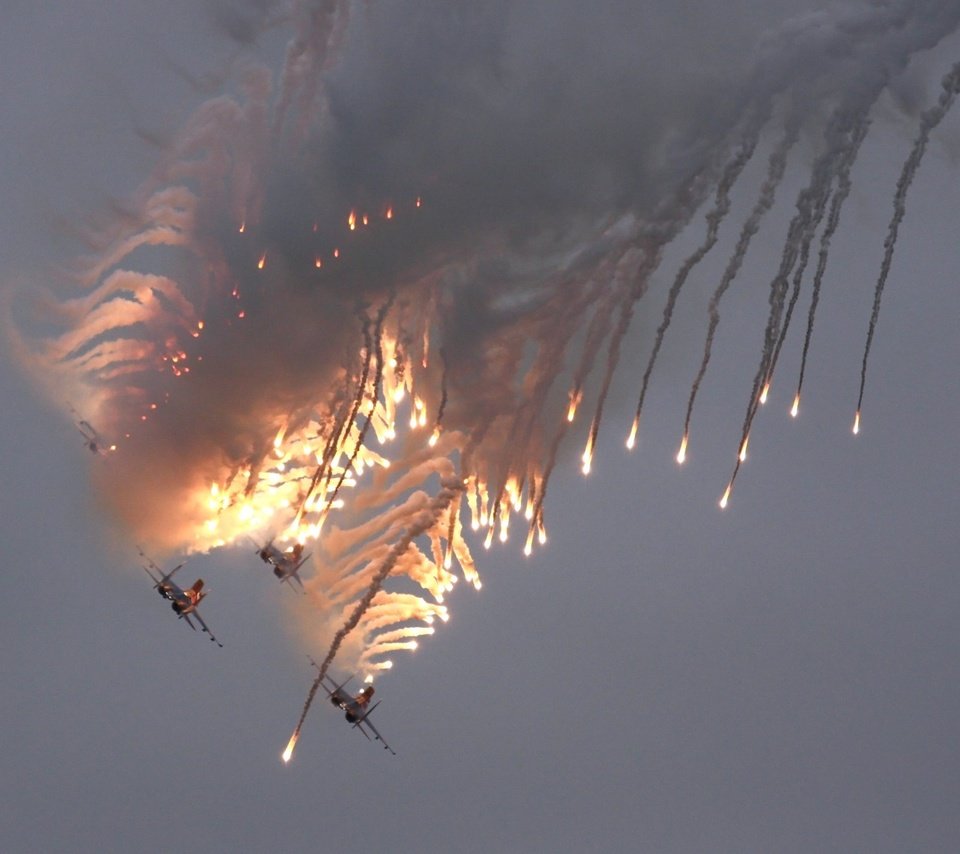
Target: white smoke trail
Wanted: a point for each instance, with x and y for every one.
(310, 247)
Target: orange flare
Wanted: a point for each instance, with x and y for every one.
(366, 220)
(288, 751)
(726, 497)
(389, 213)
(764, 393)
(856, 423)
(682, 453)
(336, 253)
(262, 262)
(352, 220)
(528, 546)
(796, 406)
(243, 227)
(419, 201)
(318, 262)
(743, 449)
(587, 457)
(632, 438)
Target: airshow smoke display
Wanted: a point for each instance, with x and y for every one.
(362, 305)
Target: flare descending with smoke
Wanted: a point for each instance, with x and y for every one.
(316, 263)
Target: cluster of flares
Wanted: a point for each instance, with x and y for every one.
(324, 383)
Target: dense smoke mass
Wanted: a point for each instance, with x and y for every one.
(370, 291)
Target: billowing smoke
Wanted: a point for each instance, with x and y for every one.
(359, 302)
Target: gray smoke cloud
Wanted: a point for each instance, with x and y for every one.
(450, 207)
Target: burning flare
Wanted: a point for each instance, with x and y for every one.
(268, 428)
(288, 750)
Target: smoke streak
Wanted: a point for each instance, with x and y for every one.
(844, 185)
(256, 328)
(928, 121)
(810, 208)
(775, 169)
(714, 218)
(419, 525)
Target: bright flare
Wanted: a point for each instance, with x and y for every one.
(682, 453)
(764, 393)
(288, 752)
(726, 497)
(743, 449)
(587, 457)
(856, 423)
(796, 406)
(632, 438)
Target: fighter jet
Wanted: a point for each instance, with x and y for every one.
(183, 602)
(285, 563)
(92, 439)
(355, 707)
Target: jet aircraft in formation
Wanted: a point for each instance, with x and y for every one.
(285, 563)
(183, 601)
(95, 444)
(357, 707)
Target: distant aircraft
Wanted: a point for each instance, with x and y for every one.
(93, 440)
(355, 707)
(285, 564)
(183, 602)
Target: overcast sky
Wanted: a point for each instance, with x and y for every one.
(663, 676)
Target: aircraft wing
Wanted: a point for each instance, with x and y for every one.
(336, 689)
(293, 575)
(205, 627)
(366, 722)
(152, 567)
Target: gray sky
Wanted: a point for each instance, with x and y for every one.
(663, 676)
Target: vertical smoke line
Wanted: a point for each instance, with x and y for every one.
(810, 208)
(642, 278)
(714, 218)
(443, 387)
(596, 333)
(377, 380)
(844, 185)
(775, 170)
(342, 423)
(928, 121)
